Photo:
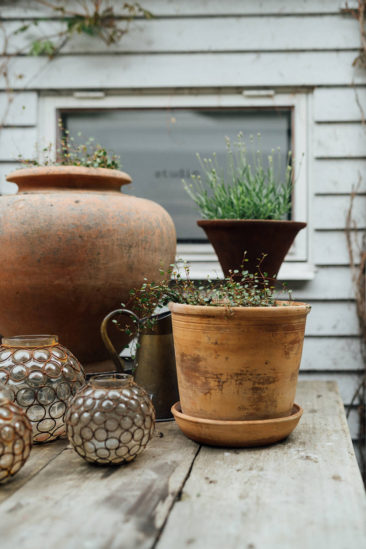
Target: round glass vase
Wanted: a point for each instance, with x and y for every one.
(42, 376)
(110, 420)
(15, 436)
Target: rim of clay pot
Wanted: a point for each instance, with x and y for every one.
(283, 308)
(220, 222)
(40, 177)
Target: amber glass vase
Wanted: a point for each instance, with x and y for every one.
(42, 376)
(110, 420)
(15, 436)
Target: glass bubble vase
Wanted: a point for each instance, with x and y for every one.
(42, 376)
(110, 420)
(15, 436)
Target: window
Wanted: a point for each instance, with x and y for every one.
(157, 138)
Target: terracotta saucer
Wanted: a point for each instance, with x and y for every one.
(236, 434)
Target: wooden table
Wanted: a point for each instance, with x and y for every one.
(305, 492)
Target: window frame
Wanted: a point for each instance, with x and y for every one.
(203, 260)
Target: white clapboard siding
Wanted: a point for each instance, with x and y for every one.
(329, 283)
(5, 186)
(208, 34)
(339, 140)
(180, 70)
(169, 8)
(339, 104)
(330, 247)
(18, 109)
(17, 141)
(338, 176)
(334, 318)
(348, 383)
(329, 212)
(332, 354)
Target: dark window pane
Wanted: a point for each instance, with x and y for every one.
(158, 148)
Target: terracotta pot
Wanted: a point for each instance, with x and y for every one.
(238, 364)
(231, 238)
(71, 247)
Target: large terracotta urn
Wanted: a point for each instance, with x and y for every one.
(71, 248)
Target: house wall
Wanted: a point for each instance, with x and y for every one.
(213, 46)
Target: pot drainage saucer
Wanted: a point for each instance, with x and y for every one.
(237, 434)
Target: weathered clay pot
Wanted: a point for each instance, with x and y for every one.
(231, 238)
(71, 247)
(238, 364)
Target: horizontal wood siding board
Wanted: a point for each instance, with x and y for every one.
(330, 246)
(347, 382)
(329, 212)
(339, 104)
(333, 176)
(342, 140)
(175, 8)
(17, 141)
(209, 35)
(332, 319)
(18, 109)
(191, 70)
(332, 354)
(5, 186)
(329, 283)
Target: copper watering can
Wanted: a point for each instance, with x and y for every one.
(155, 360)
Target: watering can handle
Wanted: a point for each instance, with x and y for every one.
(118, 361)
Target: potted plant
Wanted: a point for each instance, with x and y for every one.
(245, 207)
(238, 352)
(71, 244)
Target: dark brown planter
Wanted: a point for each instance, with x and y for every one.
(71, 248)
(231, 238)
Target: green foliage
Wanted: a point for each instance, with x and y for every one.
(73, 153)
(239, 289)
(96, 19)
(244, 190)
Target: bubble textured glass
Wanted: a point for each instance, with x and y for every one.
(15, 436)
(110, 420)
(42, 376)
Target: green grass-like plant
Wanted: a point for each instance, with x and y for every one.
(243, 189)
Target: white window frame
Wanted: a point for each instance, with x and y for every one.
(202, 257)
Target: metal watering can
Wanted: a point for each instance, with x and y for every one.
(155, 359)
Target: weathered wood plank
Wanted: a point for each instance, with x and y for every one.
(347, 382)
(338, 175)
(339, 140)
(306, 492)
(208, 35)
(171, 8)
(330, 247)
(17, 141)
(5, 186)
(19, 109)
(191, 70)
(74, 504)
(330, 211)
(41, 455)
(331, 283)
(332, 318)
(332, 353)
(339, 104)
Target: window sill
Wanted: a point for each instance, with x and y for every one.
(290, 270)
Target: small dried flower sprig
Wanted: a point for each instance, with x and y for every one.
(72, 153)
